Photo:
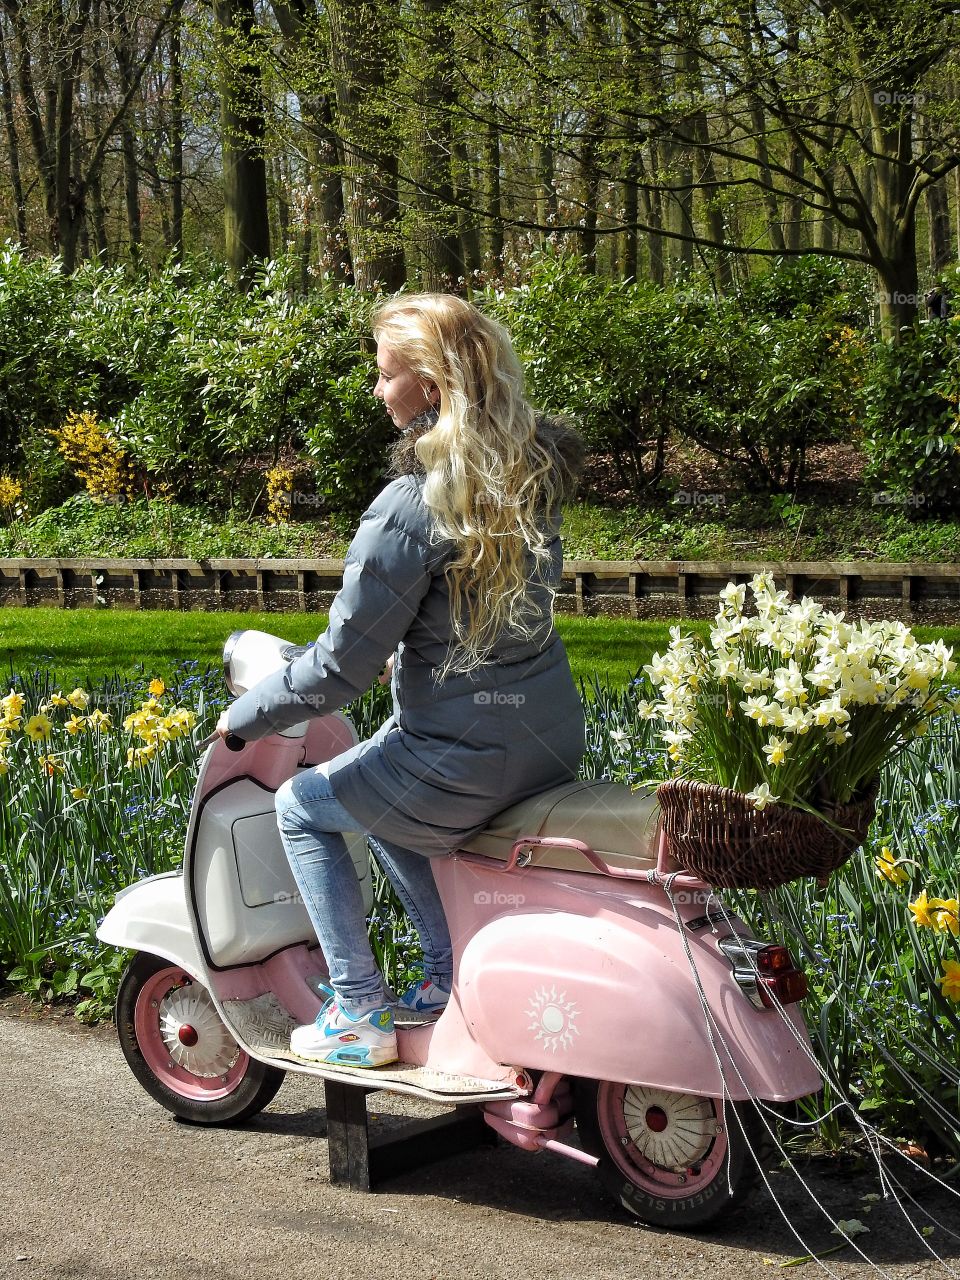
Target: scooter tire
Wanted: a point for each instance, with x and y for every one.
(178, 1048)
(672, 1160)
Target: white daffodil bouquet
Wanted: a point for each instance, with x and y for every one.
(792, 703)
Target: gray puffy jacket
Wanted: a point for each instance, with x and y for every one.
(457, 751)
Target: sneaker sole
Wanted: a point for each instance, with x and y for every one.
(349, 1058)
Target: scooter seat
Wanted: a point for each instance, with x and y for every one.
(618, 823)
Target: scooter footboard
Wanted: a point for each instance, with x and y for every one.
(574, 994)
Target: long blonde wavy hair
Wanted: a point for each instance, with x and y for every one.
(489, 482)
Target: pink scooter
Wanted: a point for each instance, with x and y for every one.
(594, 986)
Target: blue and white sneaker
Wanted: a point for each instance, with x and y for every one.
(337, 1037)
(423, 1000)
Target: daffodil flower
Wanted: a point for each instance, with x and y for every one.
(38, 728)
(922, 911)
(79, 698)
(950, 982)
(946, 915)
(761, 796)
(776, 750)
(156, 688)
(889, 868)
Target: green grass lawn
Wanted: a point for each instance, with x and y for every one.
(82, 646)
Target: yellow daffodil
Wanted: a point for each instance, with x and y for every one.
(889, 868)
(12, 705)
(99, 720)
(946, 915)
(157, 688)
(79, 698)
(51, 765)
(74, 725)
(4, 765)
(58, 700)
(38, 728)
(922, 911)
(80, 793)
(776, 750)
(950, 982)
(137, 757)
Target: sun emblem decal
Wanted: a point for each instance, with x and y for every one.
(553, 1018)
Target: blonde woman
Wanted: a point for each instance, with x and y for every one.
(452, 572)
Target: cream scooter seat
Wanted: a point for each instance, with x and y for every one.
(618, 823)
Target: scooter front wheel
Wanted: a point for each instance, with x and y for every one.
(177, 1046)
(672, 1159)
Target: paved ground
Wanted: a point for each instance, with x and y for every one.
(98, 1183)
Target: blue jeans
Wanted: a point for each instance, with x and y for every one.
(311, 822)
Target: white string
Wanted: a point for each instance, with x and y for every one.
(872, 1137)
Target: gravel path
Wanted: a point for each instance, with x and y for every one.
(97, 1182)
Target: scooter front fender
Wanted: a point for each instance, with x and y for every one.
(589, 996)
(152, 916)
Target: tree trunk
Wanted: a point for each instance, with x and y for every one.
(938, 215)
(70, 195)
(493, 199)
(128, 147)
(326, 179)
(471, 253)
(362, 41)
(176, 131)
(547, 205)
(441, 264)
(246, 215)
(13, 144)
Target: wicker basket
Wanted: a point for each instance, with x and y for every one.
(721, 837)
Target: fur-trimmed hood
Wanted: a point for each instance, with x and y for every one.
(557, 435)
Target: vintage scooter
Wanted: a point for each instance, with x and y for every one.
(594, 986)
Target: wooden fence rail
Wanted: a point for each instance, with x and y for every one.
(647, 588)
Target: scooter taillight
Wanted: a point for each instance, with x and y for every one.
(779, 979)
(765, 972)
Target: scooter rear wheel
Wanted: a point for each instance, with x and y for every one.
(177, 1046)
(672, 1159)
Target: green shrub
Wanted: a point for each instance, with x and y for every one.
(770, 388)
(604, 353)
(39, 362)
(912, 428)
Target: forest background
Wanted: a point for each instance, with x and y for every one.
(732, 225)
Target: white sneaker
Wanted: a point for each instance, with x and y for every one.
(367, 1040)
(423, 1000)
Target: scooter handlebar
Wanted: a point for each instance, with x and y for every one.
(233, 742)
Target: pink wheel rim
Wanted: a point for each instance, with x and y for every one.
(673, 1144)
(183, 1039)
